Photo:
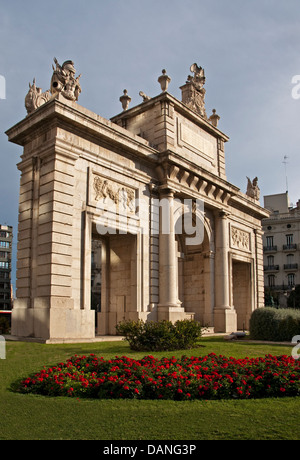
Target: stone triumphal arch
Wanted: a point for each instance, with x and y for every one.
(131, 217)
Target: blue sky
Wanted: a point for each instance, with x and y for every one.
(249, 50)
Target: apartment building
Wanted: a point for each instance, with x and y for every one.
(281, 248)
(6, 236)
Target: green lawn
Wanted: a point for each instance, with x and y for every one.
(30, 417)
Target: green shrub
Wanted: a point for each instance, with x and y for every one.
(278, 325)
(160, 335)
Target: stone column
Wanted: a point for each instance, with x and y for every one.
(259, 256)
(22, 317)
(169, 306)
(224, 315)
(209, 283)
(103, 316)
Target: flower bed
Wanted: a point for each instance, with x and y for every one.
(207, 377)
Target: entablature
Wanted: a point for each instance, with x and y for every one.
(59, 112)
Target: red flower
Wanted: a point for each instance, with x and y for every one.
(153, 377)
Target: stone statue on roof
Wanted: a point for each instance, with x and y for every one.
(253, 190)
(35, 97)
(63, 81)
(193, 92)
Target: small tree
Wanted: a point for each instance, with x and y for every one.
(4, 325)
(294, 298)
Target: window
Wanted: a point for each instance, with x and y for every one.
(289, 239)
(271, 280)
(290, 259)
(4, 265)
(270, 261)
(291, 279)
(4, 244)
(270, 241)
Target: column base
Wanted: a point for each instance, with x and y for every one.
(225, 320)
(52, 323)
(170, 312)
(107, 321)
(22, 319)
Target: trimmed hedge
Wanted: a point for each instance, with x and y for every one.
(277, 325)
(160, 335)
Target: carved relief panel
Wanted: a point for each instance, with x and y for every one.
(240, 239)
(108, 191)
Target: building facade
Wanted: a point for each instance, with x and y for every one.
(281, 248)
(131, 217)
(6, 297)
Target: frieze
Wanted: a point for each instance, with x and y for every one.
(108, 190)
(240, 239)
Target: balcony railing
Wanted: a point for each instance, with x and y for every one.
(271, 268)
(289, 247)
(280, 287)
(270, 248)
(291, 266)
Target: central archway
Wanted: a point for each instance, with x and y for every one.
(196, 270)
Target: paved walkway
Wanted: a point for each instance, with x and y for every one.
(102, 338)
(116, 338)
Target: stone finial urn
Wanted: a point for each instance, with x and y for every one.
(214, 118)
(164, 80)
(125, 100)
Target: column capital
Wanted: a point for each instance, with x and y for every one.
(223, 213)
(258, 231)
(167, 192)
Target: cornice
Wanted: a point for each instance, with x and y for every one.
(60, 111)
